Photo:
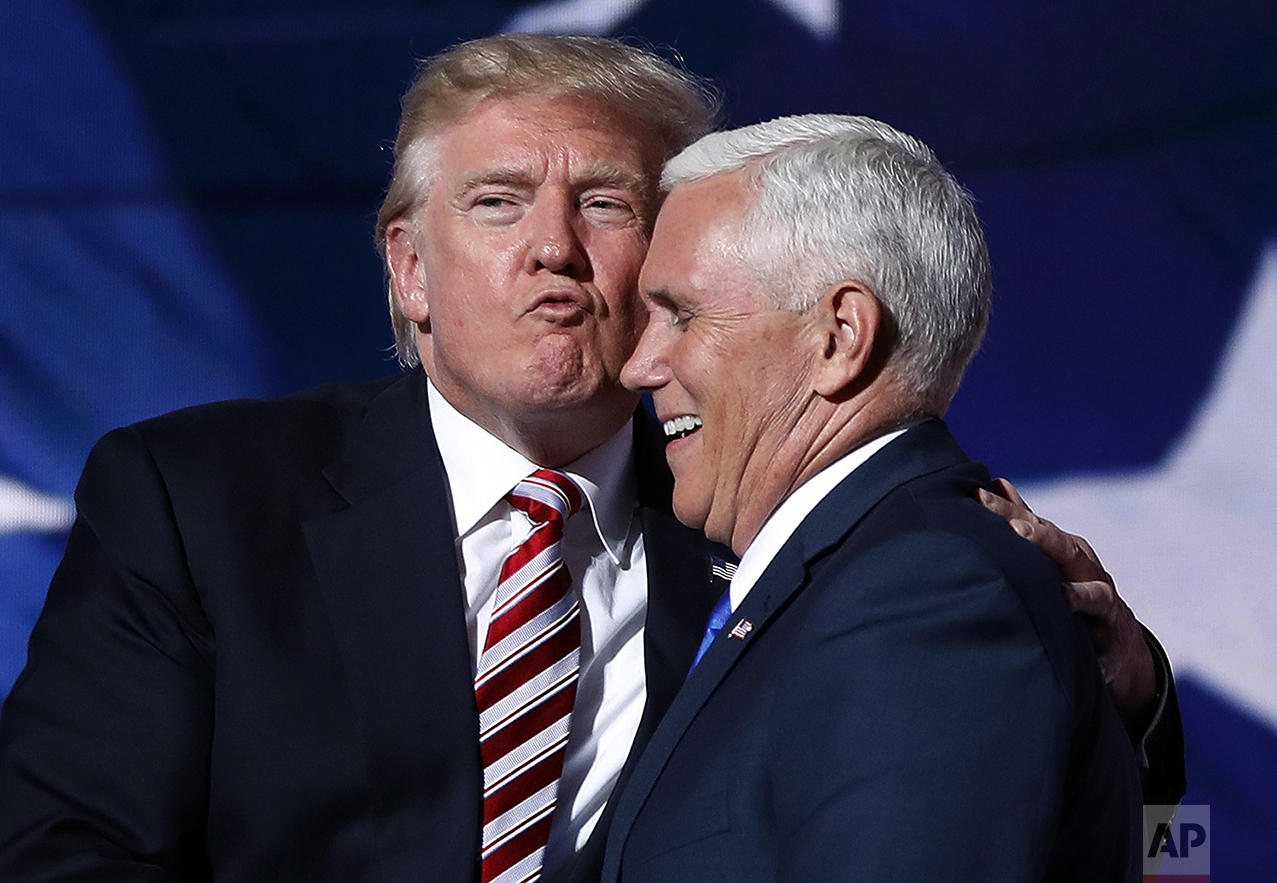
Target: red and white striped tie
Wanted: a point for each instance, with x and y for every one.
(526, 684)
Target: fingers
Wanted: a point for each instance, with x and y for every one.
(1125, 660)
(1093, 597)
(1085, 548)
(1007, 489)
(1006, 501)
(1072, 554)
(1004, 506)
(1060, 546)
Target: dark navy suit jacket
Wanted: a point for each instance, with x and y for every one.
(253, 664)
(912, 701)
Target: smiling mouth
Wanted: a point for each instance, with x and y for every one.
(681, 427)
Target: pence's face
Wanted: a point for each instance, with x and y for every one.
(728, 372)
(525, 258)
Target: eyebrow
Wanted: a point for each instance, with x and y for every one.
(661, 297)
(591, 177)
(610, 176)
(503, 176)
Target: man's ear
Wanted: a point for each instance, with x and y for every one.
(847, 319)
(404, 264)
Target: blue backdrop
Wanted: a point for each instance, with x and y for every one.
(187, 193)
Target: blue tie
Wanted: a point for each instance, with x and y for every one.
(717, 619)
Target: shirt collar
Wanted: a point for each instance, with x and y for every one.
(782, 523)
(481, 469)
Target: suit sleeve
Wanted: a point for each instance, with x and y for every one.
(105, 738)
(927, 728)
(1159, 750)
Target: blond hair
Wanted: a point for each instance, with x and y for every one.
(638, 84)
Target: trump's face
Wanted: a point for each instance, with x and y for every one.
(729, 374)
(520, 268)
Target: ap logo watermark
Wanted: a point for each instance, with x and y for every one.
(1177, 844)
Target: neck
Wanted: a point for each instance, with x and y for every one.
(554, 437)
(558, 438)
(827, 433)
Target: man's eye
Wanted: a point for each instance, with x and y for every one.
(680, 319)
(495, 208)
(607, 207)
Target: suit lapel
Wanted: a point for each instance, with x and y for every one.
(680, 595)
(923, 449)
(681, 592)
(388, 569)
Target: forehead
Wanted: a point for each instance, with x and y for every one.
(696, 242)
(536, 132)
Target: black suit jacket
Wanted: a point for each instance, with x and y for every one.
(910, 701)
(253, 665)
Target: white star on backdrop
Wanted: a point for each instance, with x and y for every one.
(23, 509)
(1192, 543)
(819, 17)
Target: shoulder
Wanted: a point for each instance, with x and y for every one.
(301, 419)
(935, 510)
(970, 538)
(242, 449)
(928, 560)
(310, 424)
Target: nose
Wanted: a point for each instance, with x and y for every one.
(553, 241)
(647, 369)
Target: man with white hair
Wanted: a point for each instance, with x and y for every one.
(892, 688)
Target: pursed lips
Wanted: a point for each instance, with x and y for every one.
(561, 303)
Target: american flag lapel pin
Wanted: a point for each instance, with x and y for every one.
(741, 629)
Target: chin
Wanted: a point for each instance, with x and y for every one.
(602, 400)
(567, 377)
(692, 516)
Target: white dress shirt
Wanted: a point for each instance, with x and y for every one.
(603, 552)
(782, 523)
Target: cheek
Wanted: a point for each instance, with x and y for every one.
(616, 263)
(621, 328)
(483, 263)
(464, 252)
(734, 414)
(465, 283)
(630, 325)
(691, 498)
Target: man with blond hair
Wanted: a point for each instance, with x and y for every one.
(258, 659)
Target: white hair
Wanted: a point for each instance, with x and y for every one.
(849, 198)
